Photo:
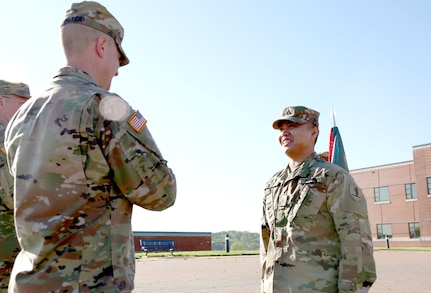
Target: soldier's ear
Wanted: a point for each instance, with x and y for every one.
(101, 46)
(315, 131)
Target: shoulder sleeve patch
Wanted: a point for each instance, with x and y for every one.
(355, 192)
(114, 108)
(137, 121)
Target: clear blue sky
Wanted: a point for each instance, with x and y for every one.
(210, 76)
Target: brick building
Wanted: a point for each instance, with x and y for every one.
(399, 200)
(183, 241)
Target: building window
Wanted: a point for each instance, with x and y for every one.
(381, 194)
(384, 230)
(415, 230)
(429, 185)
(411, 191)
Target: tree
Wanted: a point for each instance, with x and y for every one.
(237, 246)
(248, 240)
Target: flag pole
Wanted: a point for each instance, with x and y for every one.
(333, 115)
(336, 152)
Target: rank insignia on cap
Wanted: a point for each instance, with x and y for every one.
(137, 121)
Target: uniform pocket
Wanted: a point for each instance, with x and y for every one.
(308, 207)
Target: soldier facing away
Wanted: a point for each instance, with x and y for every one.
(81, 157)
(12, 96)
(315, 233)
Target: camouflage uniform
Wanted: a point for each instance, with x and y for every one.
(81, 158)
(315, 231)
(8, 241)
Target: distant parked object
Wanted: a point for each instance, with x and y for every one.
(177, 241)
(158, 245)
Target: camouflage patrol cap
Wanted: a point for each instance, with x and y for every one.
(297, 114)
(12, 88)
(95, 15)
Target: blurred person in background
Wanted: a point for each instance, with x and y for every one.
(12, 96)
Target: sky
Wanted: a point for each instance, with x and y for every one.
(211, 76)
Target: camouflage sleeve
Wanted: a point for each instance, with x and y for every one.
(138, 168)
(6, 185)
(156, 179)
(264, 239)
(8, 242)
(349, 209)
(6, 180)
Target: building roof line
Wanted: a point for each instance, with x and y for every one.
(383, 166)
(168, 233)
(422, 145)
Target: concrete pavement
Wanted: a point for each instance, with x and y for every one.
(398, 271)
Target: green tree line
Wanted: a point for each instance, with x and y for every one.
(238, 240)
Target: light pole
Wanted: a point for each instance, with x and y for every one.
(227, 243)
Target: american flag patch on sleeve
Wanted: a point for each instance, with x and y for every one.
(137, 121)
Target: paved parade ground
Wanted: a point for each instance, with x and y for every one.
(397, 271)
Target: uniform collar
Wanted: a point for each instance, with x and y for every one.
(73, 71)
(303, 169)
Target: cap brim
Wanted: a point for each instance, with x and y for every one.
(123, 58)
(276, 123)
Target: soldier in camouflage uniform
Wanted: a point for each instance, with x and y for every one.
(315, 230)
(81, 158)
(12, 96)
